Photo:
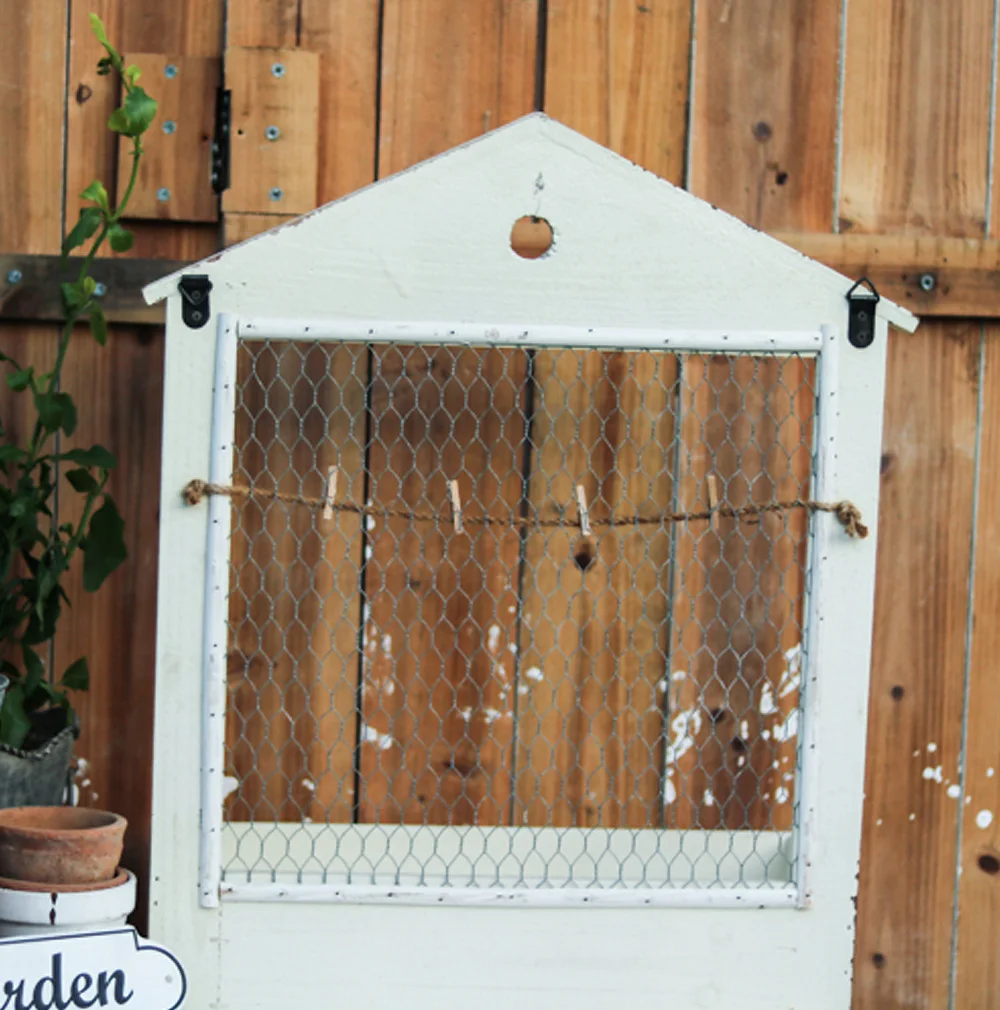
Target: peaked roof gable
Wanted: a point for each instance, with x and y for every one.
(444, 225)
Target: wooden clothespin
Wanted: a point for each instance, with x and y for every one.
(331, 492)
(456, 506)
(713, 501)
(581, 504)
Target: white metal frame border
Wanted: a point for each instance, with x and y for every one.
(822, 343)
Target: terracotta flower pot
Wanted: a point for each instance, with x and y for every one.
(60, 845)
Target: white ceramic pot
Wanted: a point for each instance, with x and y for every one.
(33, 912)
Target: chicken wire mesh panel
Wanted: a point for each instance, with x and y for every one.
(612, 710)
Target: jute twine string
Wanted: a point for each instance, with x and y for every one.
(848, 514)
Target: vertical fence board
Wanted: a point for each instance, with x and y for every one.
(118, 390)
(916, 116)
(452, 70)
(907, 878)
(764, 110)
(262, 23)
(595, 624)
(977, 978)
(32, 55)
(346, 35)
(617, 71)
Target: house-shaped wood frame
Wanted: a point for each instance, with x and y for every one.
(425, 256)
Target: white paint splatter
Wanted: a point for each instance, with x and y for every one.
(954, 792)
(512, 648)
(791, 677)
(679, 675)
(916, 753)
(387, 644)
(968, 800)
(492, 714)
(767, 703)
(370, 523)
(990, 773)
(774, 764)
(708, 799)
(466, 713)
(781, 794)
(984, 819)
(369, 552)
(931, 747)
(878, 823)
(741, 761)
(766, 735)
(913, 817)
(533, 673)
(669, 790)
(229, 785)
(934, 773)
(381, 740)
(523, 689)
(745, 729)
(389, 687)
(787, 777)
(493, 638)
(661, 685)
(789, 728)
(309, 785)
(512, 609)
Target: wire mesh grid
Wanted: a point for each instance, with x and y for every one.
(517, 704)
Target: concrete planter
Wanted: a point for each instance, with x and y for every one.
(38, 777)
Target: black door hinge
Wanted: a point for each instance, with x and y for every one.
(220, 142)
(195, 308)
(861, 314)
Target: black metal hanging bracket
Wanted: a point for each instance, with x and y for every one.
(195, 308)
(861, 314)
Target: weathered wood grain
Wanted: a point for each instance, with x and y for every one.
(595, 612)
(450, 72)
(764, 110)
(617, 71)
(272, 90)
(916, 117)
(907, 876)
(32, 60)
(174, 181)
(977, 973)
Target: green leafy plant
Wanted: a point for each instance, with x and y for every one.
(35, 548)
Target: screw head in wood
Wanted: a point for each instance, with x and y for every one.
(170, 71)
(272, 133)
(163, 194)
(100, 290)
(169, 126)
(928, 282)
(14, 276)
(278, 69)
(276, 193)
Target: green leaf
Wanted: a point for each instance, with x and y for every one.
(14, 722)
(96, 455)
(104, 546)
(82, 481)
(98, 325)
(56, 411)
(77, 676)
(87, 223)
(96, 192)
(118, 122)
(89, 286)
(132, 73)
(97, 27)
(72, 295)
(12, 453)
(140, 110)
(19, 381)
(104, 66)
(34, 670)
(120, 238)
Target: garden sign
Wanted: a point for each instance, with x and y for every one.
(112, 969)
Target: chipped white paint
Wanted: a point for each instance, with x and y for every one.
(309, 785)
(533, 674)
(229, 785)
(954, 791)
(708, 799)
(636, 258)
(767, 705)
(788, 727)
(984, 819)
(936, 773)
(493, 638)
(990, 773)
(781, 795)
(931, 748)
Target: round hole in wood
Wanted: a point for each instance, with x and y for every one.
(531, 237)
(878, 959)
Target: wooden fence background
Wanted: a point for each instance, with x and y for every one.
(867, 130)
